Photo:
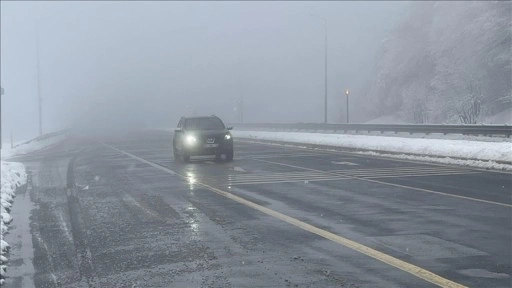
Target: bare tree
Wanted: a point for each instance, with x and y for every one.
(469, 113)
(469, 110)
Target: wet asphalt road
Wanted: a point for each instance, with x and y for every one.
(109, 219)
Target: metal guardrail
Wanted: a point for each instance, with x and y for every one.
(43, 137)
(485, 130)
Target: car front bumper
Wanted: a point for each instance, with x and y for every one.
(208, 149)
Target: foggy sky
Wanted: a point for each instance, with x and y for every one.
(147, 63)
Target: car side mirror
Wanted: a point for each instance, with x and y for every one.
(230, 128)
(177, 130)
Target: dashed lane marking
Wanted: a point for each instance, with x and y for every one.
(385, 258)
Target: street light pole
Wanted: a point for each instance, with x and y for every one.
(325, 66)
(40, 100)
(1, 94)
(346, 93)
(242, 108)
(325, 73)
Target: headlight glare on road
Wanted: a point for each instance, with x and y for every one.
(190, 140)
(227, 137)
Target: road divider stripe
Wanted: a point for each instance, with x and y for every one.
(344, 153)
(313, 179)
(375, 254)
(369, 175)
(395, 185)
(286, 181)
(408, 168)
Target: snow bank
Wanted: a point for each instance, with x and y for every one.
(13, 176)
(470, 150)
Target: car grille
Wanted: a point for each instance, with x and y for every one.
(211, 139)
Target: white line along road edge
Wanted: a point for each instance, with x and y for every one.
(390, 260)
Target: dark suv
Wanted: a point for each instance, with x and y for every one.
(196, 136)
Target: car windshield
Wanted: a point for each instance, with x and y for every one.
(204, 124)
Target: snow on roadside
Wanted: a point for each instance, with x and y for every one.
(13, 176)
(475, 153)
(445, 160)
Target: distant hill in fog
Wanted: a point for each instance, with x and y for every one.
(447, 62)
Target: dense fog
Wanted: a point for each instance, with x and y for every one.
(446, 62)
(144, 64)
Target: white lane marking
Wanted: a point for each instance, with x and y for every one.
(48, 258)
(375, 254)
(326, 178)
(130, 200)
(362, 156)
(407, 168)
(397, 185)
(305, 181)
(369, 174)
(344, 163)
(64, 227)
(277, 156)
(239, 169)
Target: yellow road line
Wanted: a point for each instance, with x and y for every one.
(388, 259)
(396, 185)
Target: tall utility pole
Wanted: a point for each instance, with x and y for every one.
(346, 93)
(325, 74)
(1, 94)
(40, 100)
(241, 108)
(325, 62)
(240, 104)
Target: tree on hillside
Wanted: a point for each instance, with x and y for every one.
(447, 62)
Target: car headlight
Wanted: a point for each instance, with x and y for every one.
(227, 137)
(190, 140)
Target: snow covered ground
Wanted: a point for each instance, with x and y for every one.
(461, 152)
(13, 176)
